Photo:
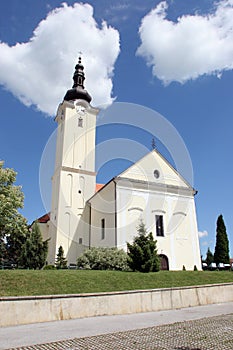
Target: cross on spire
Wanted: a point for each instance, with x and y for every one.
(153, 143)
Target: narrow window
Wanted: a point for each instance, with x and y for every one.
(80, 122)
(80, 241)
(102, 228)
(159, 225)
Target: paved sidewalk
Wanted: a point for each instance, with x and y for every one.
(198, 328)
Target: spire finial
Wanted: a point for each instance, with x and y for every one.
(78, 91)
(79, 75)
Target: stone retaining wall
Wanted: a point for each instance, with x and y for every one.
(33, 309)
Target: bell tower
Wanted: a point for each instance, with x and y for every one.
(74, 178)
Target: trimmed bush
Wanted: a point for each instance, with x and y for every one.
(49, 267)
(103, 259)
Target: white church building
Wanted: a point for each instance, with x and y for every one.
(85, 214)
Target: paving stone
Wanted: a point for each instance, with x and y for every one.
(212, 333)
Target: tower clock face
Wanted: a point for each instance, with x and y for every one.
(80, 109)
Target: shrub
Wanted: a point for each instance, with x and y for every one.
(49, 267)
(142, 253)
(103, 259)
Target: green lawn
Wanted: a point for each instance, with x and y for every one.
(44, 282)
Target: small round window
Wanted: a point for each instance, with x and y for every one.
(156, 174)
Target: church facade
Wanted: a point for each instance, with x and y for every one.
(85, 214)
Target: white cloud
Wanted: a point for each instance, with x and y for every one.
(40, 71)
(192, 46)
(202, 234)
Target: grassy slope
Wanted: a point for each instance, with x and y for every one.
(44, 282)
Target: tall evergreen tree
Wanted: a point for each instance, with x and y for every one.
(221, 254)
(142, 254)
(61, 262)
(209, 257)
(34, 250)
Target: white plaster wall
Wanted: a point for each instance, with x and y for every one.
(77, 144)
(180, 242)
(103, 207)
(46, 234)
(144, 170)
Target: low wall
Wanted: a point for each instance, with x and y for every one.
(24, 310)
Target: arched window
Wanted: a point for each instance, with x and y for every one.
(102, 228)
(80, 122)
(159, 225)
(68, 192)
(67, 225)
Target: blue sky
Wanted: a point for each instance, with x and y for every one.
(178, 62)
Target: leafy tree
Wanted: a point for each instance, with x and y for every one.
(221, 254)
(209, 257)
(142, 254)
(13, 226)
(34, 250)
(103, 259)
(11, 199)
(2, 251)
(15, 240)
(61, 262)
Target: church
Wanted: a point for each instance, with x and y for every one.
(85, 214)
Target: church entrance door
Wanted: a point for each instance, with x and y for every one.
(164, 265)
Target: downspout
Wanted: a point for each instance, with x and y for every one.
(89, 225)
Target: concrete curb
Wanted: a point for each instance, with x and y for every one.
(33, 309)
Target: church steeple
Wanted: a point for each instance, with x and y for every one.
(78, 91)
(74, 178)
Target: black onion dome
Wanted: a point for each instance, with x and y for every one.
(78, 91)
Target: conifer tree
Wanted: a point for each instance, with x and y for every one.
(221, 254)
(61, 262)
(34, 250)
(209, 257)
(142, 254)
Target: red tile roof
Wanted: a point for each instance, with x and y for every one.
(43, 219)
(98, 187)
